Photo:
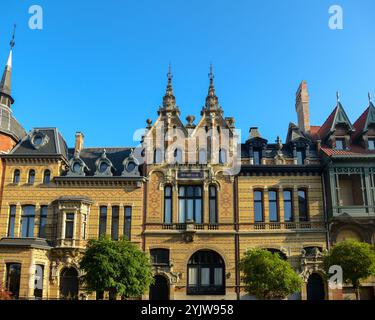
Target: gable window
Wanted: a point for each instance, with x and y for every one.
(159, 256)
(288, 206)
(157, 156)
(13, 278)
(47, 177)
(12, 220)
(102, 221)
(301, 155)
(302, 205)
(273, 207)
(223, 156)
(206, 274)
(257, 156)
(16, 176)
(190, 204)
(115, 222)
(340, 144)
(168, 205)
(27, 221)
(69, 226)
(31, 178)
(178, 155)
(43, 221)
(213, 205)
(371, 144)
(258, 206)
(128, 222)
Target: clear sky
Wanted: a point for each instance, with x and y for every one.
(100, 66)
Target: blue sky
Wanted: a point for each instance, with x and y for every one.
(100, 66)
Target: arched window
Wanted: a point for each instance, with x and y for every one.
(157, 156)
(168, 205)
(206, 274)
(16, 176)
(47, 176)
(178, 155)
(31, 178)
(202, 158)
(223, 156)
(213, 205)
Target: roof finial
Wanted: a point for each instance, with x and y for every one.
(338, 96)
(369, 97)
(211, 74)
(12, 42)
(169, 74)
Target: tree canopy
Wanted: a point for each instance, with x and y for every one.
(357, 260)
(119, 267)
(267, 276)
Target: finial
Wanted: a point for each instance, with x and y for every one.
(338, 96)
(12, 42)
(169, 74)
(369, 97)
(211, 74)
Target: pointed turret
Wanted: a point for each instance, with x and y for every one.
(6, 80)
(212, 101)
(169, 100)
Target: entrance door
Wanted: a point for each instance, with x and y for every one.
(160, 289)
(69, 284)
(315, 287)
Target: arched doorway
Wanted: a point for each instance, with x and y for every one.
(206, 274)
(160, 289)
(69, 284)
(315, 287)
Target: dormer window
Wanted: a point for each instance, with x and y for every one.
(257, 156)
(371, 144)
(38, 139)
(77, 167)
(131, 166)
(340, 144)
(301, 155)
(103, 167)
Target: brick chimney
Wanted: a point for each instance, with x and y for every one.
(302, 107)
(79, 142)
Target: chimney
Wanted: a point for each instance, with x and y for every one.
(302, 107)
(79, 142)
(254, 133)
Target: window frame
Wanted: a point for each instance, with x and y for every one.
(46, 176)
(43, 219)
(342, 140)
(8, 280)
(306, 206)
(69, 222)
(128, 212)
(276, 202)
(168, 202)
(115, 220)
(16, 176)
(12, 221)
(291, 204)
(186, 198)
(261, 201)
(103, 216)
(163, 254)
(215, 200)
(31, 176)
(30, 222)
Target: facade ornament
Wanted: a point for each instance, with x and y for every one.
(103, 165)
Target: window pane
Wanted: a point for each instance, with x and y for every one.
(300, 157)
(168, 211)
(69, 226)
(205, 276)
(13, 279)
(31, 176)
(256, 156)
(302, 203)
(272, 195)
(27, 221)
(16, 178)
(371, 144)
(127, 222)
(273, 212)
(218, 276)
(115, 222)
(12, 219)
(190, 209)
(38, 282)
(258, 195)
(213, 215)
(43, 221)
(168, 191)
(340, 144)
(103, 221)
(193, 276)
(258, 212)
(47, 176)
(198, 211)
(181, 211)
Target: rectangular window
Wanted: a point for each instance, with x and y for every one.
(218, 277)
(350, 190)
(38, 282)
(258, 206)
(371, 144)
(159, 256)
(302, 205)
(12, 220)
(205, 276)
(43, 221)
(168, 205)
(27, 221)
(190, 204)
(115, 222)
(193, 276)
(300, 157)
(257, 155)
(273, 207)
(13, 278)
(128, 222)
(102, 221)
(340, 144)
(84, 226)
(69, 226)
(288, 206)
(213, 205)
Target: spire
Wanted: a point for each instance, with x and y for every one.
(169, 100)
(212, 102)
(6, 80)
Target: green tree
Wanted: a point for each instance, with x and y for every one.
(118, 267)
(267, 276)
(357, 260)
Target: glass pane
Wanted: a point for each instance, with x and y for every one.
(256, 155)
(193, 276)
(181, 192)
(38, 283)
(190, 192)
(212, 191)
(288, 211)
(205, 276)
(258, 212)
(258, 195)
(181, 211)
(213, 215)
(190, 209)
(272, 195)
(273, 212)
(371, 144)
(287, 195)
(198, 211)
(340, 144)
(168, 191)
(168, 211)
(198, 191)
(218, 278)
(69, 229)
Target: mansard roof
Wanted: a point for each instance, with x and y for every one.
(52, 144)
(91, 155)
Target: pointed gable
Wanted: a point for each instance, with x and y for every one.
(366, 119)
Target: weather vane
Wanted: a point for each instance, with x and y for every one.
(12, 42)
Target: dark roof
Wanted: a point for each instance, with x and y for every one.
(366, 118)
(354, 150)
(115, 155)
(55, 144)
(25, 242)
